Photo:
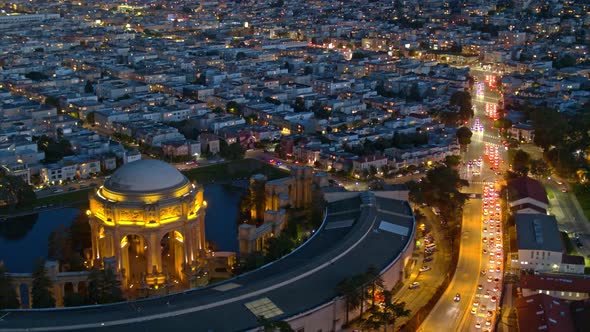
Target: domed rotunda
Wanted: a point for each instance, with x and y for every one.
(148, 219)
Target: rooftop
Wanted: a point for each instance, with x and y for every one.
(524, 187)
(360, 235)
(542, 312)
(537, 232)
(147, 175)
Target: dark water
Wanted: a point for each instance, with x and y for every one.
(221, 218)
(24, 240)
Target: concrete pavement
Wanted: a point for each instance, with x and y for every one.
(447, 310)
(429, 280)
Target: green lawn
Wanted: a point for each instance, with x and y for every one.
(569, 246)
(79, 197)
(233, 170)
(550, 194)
(583, 196)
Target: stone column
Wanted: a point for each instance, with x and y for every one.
(94, 238)
(154, 253)
(18, 295)
(188, 242)
(58, 294)
(117, 248)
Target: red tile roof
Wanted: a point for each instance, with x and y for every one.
(523, 187)
(555, 283)
(541, 312)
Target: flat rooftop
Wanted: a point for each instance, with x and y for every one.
(359, 232)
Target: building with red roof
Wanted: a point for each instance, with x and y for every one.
(561, 286)
(526, 195)
(542, 312)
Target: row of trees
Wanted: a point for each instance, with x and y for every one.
(440, 188)
(522, 164)
(103, 287)
(66, 244)
(14, 191)
(564, 137)
(360, 290)
(54, 150)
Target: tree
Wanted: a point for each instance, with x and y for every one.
(358, 55)
(41, 289)
(464, 135)
(272, 100)
(233, 107)
(550, 127)
(67, 245)
(255, 200)
(8, 297)
(53, 101)
(234, 151)
(267, 325)
(54, 150)
(90, 118)
(249, 262)
(347, 288)
(240, 56)
(375, 280)
(503, 124)
(73, 299)
(14, 191)
(277, 247)
(88, 88)
(520, 162)
(440, 188)
(453, 161)
(539, 168)
(299, 104)
(104, 287)
(392, 310)
(567, 60)
(463, 100)
(36, 76)
(414, 93)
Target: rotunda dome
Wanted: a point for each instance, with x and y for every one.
(145, 176)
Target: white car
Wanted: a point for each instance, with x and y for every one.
(414, 285)
(425, 268)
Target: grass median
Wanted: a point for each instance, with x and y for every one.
(233, 170)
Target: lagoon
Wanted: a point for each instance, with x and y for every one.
(23, 240)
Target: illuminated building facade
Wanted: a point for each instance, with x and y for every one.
(151, 219)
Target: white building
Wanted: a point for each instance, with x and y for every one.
(539, 242)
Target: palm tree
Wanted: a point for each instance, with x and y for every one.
(392, 311)
(267, 325)
(352, 296)
(373, 277)
(359, 284)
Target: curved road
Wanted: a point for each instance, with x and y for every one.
(447, 311)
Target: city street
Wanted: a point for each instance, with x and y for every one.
(484, 152)
(447, 310)
(429, 280)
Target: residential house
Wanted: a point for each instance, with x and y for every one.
(526, 195)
